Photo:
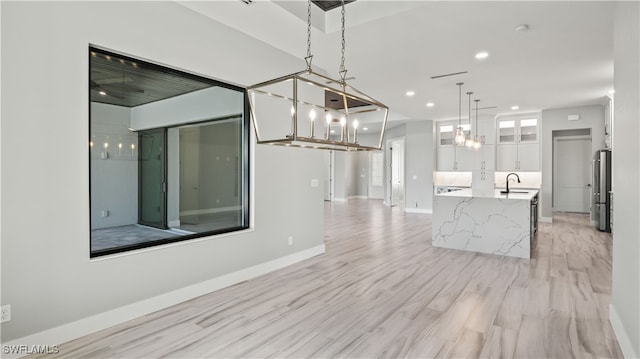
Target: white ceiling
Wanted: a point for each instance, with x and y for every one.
(565, 59)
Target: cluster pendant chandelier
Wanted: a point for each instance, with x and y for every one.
(286, 111)
(460, 138)
(468, 140)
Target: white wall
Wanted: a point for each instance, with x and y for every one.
(47, 276)
(205, 104)
(360, 173)
(591, 117)
(341, 176)
(420, 163)
(625, 307)
(115, 178)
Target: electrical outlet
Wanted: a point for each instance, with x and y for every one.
(290, 240)
(5, 313)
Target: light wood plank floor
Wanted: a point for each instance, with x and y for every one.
(382, 290)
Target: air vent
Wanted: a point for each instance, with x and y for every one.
(451, 74)
(248, 2)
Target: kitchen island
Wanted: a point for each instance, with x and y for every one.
(486, 221)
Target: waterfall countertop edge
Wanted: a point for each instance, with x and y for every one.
(515, 194)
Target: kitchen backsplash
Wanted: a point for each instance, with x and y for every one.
(463, 179)
(527, 180)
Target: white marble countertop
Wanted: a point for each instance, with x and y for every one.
(518, 194)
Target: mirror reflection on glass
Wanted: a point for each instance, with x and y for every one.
(168, 153)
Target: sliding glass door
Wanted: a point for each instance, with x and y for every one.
(152, 178)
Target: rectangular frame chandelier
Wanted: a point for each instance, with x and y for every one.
(309, 110)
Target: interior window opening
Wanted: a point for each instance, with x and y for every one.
(168, 155)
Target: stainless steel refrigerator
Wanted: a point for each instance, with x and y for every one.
(601, 205)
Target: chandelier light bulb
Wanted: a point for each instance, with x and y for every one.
(343, 135)
(355, 131)
(328, 118)
(312, 115)
(293, 111)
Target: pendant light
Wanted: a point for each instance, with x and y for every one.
(459, 139)
(468, 141)
(477, 144)
(284, 108)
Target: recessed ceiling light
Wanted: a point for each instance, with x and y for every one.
(430, 104)
(410, 93)
(365, 129)
(482, 55)
(515, 107)
(522, 27)
(333, 131)
(102, 93)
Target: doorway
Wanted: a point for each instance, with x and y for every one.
(395, 187)
(152, 174)
(329, 173)
(572, 174)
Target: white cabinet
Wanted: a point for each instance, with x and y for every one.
(518, 157)
(465, 159)
(517, 130)
(453, 158)
(485, 158)
(450, 157)
(446, 158)
(518, 147)
(486, 131)
(460, 158)
(528, 157)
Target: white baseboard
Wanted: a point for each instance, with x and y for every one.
(418, 210)
(546, 219)
(621, 334)
(85, 326)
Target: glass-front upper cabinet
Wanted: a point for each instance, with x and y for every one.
(529, 130)
(447, 132)
(518, 130)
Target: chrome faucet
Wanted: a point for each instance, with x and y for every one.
(507, 180)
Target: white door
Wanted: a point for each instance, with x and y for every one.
(572, 174)
(396, 167)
